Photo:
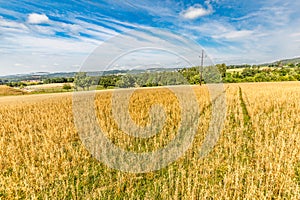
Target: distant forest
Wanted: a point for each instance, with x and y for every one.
(215, 74)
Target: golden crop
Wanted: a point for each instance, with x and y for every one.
(257, 155)
(5, 90)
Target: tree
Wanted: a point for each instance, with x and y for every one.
(247, 72)
(70, 80)
(222, 69)
(105, 82)
(211, 74)
(195, 79)
(292, 65)
(126, 81)
(82, 80)
(67, 86)
(261, 77)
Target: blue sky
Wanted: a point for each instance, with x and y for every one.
(53, 36)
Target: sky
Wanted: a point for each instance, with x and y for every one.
(58, 36)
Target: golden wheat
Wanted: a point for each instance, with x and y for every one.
(257, 155)
(6, 91)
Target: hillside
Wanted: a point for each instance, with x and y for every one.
(46, 75)
(285, 61)
(292, 61)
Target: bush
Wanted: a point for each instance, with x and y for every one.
(67, 86)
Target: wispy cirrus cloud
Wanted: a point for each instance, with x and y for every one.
(234, 35)
(220, 30)
(40, 41)
(9, 27)
(66, 32)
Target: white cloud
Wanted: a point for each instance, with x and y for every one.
(35, 18)
(197, 11)
(295, 34)
(34, 50)
(33, 53)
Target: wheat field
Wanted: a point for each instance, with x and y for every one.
(257, 155)
(6, 91)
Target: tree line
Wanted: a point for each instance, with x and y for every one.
(194, 75)
(184, 76)
(263, 75)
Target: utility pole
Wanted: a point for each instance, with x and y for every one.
(201, 66)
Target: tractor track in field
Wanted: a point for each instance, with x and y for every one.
(246, 116)
(249, 146)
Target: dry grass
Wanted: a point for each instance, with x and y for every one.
(47, 86)
(256, 157)
(6, 91)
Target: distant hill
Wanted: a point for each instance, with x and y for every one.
(45, 75)
(292, 60)
(285, 61)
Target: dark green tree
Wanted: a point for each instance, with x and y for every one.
(67, 86)
(126, 81)
(222, 69)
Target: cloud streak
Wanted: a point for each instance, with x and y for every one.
(234, 35)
